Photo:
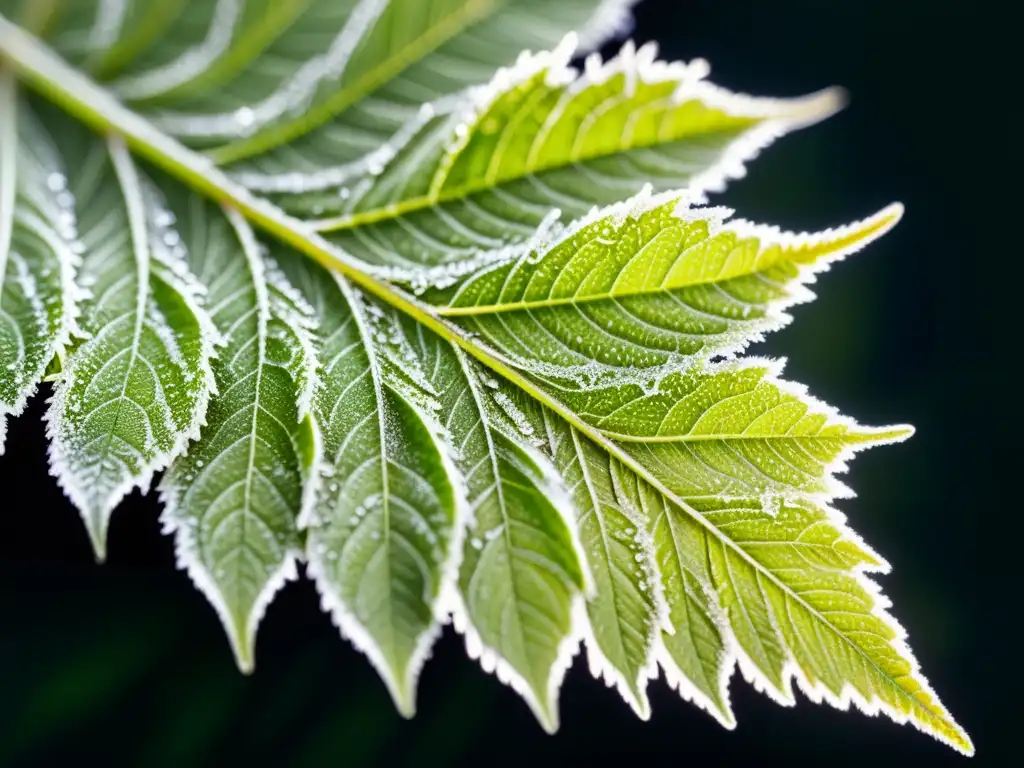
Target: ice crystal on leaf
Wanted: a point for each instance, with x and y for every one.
(449, 324)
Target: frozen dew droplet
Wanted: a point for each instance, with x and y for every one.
(244, 116)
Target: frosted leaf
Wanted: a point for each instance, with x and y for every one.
(38, 298)
(480, 177)
(521, 579)
(632, 292)
(303, 86)
(234, 499)
(526, 417)
(134, 392)
(384, 539)
(693, 647)
(732, 430)
(622, 613)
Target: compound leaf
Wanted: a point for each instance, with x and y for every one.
(506, 394)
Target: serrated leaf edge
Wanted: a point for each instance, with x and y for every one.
(840, 242)
(866, 436)
(600, 666)
(403, 692)
(242, 645)
(97, 519)
(489, 658)
(68, 260)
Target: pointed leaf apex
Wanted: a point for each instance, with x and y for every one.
(949, 732)
(962, 743)
(842, 241)
(860, 438)
(547, 717)
(888, 217)
(640, 705)
(97, 530)
(894, 434)
(243, 650)
(804, 111)
(400, 684)
(404, 698)
(818, 250)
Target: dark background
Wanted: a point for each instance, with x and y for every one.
(126, 662)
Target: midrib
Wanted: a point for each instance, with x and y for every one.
(124, 170)
(75, 93)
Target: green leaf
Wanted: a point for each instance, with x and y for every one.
(522, 573)
(133, 393)
(296, 86)
(647, 287)
(542, 144)
(793, 587)
(695, 647)
(385, 527)
(622, 613)
(524, 416)
(234, 499)
(745, 434)
(37, 292)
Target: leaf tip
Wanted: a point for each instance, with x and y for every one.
(962, 743)
(818, 106)
(402, 688)
(242, 646)
(821, 249)
(405, 702)
(640, 705)
(945, 729)
(950, 734)
(96, 527)
(896, 433)
(548, 719)
(859, 234)
(868, 437)
(888, 217)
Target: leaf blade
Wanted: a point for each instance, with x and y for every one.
(382, 539)
(434, 193)
(233, 500)
(131, 396)
(622, 611)
(696, 655)
(521, 576)
(38, 297)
